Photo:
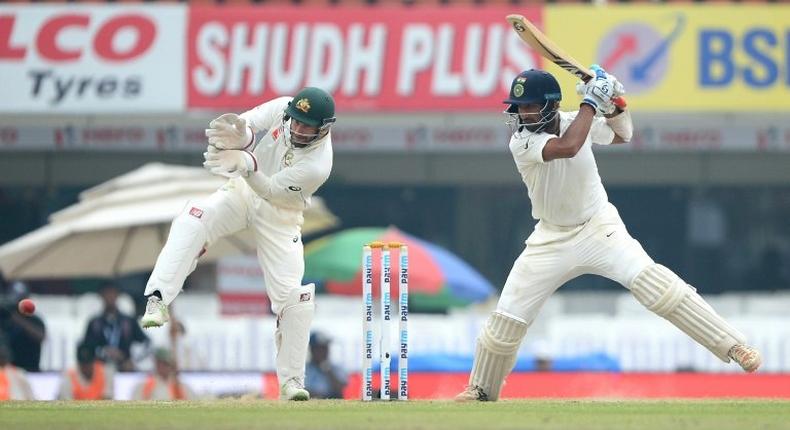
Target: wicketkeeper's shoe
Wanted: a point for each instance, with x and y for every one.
(472, 393)
(155, 313)
(293, 389)
(748, 357)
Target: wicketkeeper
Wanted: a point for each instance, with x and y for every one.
(270, 184)
(579, 231)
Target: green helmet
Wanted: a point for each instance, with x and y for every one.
(312, 106)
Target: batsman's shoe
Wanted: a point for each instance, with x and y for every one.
(472, 393)
(748, 357)
(155, 313)
(293, 389)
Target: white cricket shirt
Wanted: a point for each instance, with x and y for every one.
(566, 191)
(295, 173)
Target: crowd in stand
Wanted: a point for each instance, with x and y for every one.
(108, 347)
(105, 349)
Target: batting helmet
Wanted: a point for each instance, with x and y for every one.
(535, 87)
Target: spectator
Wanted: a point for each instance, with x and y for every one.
(323, 379)
(163, 384)
(13, 382)
(112, 333)
(24, 334)
(90, 380)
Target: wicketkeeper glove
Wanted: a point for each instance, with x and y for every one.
(236, 163)
(229, 163)
(229, 131)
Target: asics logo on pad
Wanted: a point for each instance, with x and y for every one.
(304, 297)
(195, 212)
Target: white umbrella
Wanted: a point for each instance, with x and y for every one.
(119, 227)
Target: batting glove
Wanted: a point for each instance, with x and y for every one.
(229, 131)
(599, 91)
(619, 89)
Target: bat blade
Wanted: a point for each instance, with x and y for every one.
(549, 50)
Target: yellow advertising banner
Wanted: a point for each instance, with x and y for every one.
(676, 58)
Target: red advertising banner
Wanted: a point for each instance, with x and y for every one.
(380, 59)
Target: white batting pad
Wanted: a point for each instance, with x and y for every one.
(496, 352)
(293, 333)
(664, 293)
(178, 258)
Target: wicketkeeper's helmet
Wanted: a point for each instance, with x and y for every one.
(314, 107)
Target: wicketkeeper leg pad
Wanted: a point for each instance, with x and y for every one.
(663, 292)
(178, 258)
(292, 335)
(495, 356)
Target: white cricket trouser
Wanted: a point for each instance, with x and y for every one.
(554, 255)
(277, 235)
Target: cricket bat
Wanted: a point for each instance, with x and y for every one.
(550, 51)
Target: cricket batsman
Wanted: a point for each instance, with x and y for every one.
(578, 231)
(270, 184)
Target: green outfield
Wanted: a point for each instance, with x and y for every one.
(345, 415)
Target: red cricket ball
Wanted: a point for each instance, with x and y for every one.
(27, 307)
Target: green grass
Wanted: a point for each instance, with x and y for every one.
(349, 415)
